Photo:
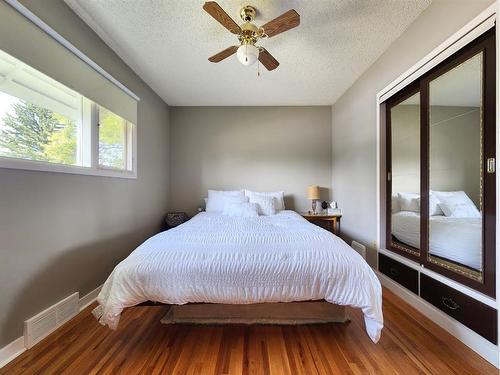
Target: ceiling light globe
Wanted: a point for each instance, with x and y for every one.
(247, 54)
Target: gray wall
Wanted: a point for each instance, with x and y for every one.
(62, 233)
(454, 149)
(405, 148)
(354, 135)
(260, 148)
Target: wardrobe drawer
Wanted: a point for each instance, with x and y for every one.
(404, 275)
(477, 316)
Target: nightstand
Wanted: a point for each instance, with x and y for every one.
(332, 222)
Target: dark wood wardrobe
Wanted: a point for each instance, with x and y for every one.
(441, 184)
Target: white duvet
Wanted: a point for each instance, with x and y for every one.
(454, 238)
(214, 258)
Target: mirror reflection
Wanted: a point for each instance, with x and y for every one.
(405, 178)
(455, 173)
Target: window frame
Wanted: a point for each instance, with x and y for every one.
(88, 152)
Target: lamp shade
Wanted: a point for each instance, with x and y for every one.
(313, 192)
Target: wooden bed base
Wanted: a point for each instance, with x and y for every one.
(307, 312)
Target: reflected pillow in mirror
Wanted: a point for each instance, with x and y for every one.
(456, 204)
(395, 204)
(246, 209)
(460, 210)
(409, 202)
(434, 209)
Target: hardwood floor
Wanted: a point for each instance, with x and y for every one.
(410, 344)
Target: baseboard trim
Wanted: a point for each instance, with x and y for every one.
(89, 298)
(10, 351)
(470, 338)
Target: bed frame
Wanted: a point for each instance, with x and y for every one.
(307, 312)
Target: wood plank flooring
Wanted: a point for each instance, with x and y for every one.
(410, 344)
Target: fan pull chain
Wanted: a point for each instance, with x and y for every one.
(246, 52)
(258, 68)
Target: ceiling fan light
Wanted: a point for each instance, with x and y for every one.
(247, 54)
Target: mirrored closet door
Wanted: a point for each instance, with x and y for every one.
(455, 173)
(441, 167)
(403, 116)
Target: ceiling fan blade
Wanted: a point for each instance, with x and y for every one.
(215, 10)
(268, 60)
(223, 54)
(286, 21)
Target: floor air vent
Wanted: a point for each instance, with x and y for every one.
(361, 249)
(41, 325)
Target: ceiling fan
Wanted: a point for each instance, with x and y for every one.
(249, 34)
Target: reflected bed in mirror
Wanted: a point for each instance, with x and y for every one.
(405, 181)
(455, 160)
(457, 239)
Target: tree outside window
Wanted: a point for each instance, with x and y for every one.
(35, 133)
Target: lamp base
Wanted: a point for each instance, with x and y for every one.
(313, 206)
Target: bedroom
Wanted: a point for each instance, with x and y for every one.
(156, 128)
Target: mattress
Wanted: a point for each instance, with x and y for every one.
(214, 258)
(455, 239)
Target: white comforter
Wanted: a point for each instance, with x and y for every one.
(454, 238)
(219, 259)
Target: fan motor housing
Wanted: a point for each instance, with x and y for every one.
(249, 33)
(248, 13)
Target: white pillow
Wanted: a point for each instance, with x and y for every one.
(459, 210)
(456, 204)
(241, 209)
(266, 205)
(217, 200)
(279, 195)
(434, 209)
(395, 204)
(452, 197)
(409, 202)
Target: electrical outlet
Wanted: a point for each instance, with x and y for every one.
(373, 244)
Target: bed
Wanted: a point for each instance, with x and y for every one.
(454, 238)
(214, 258)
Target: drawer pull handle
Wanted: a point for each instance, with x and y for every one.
(394, 271)
(449, 303)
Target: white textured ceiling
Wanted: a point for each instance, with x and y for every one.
(168, 43)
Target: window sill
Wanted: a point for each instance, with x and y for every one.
(40, 166)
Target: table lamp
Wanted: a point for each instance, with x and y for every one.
(313, 195)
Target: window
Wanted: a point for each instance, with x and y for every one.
(112, 140)
(32, 132)
(44, 125)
